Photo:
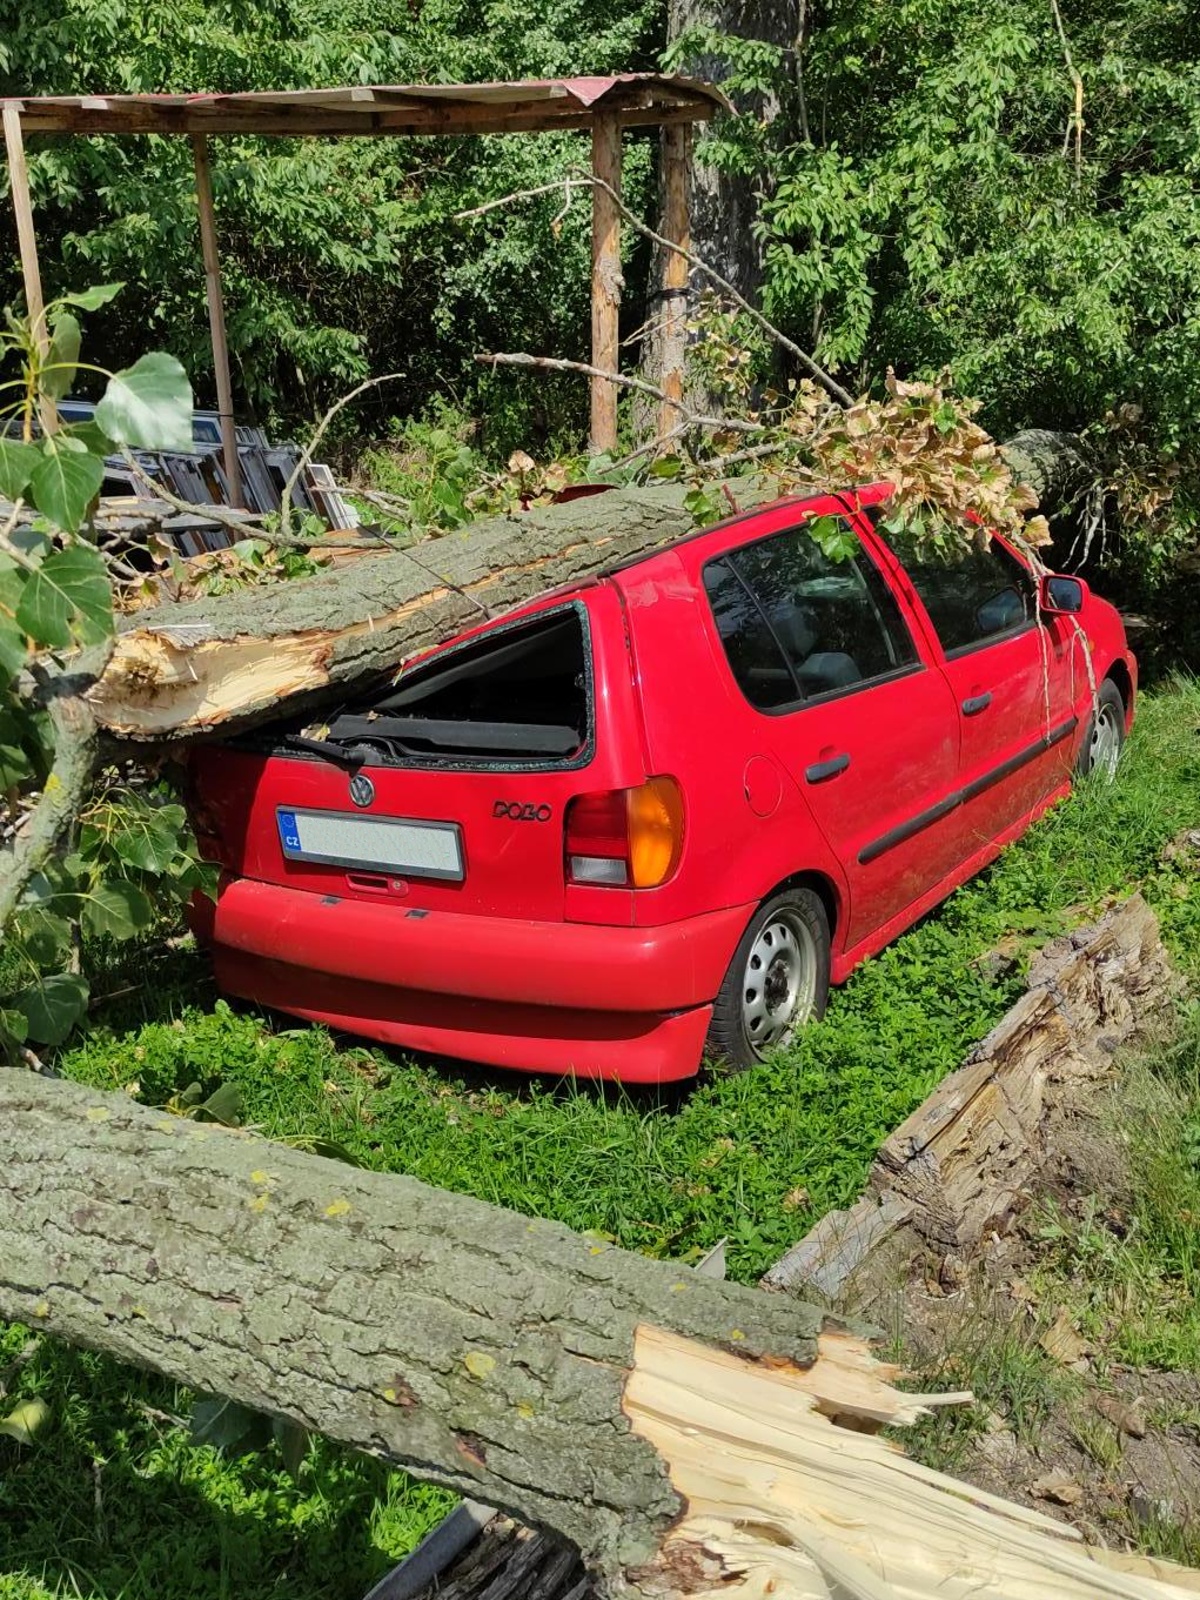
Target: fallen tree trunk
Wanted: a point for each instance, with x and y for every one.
(679, 1429)
(224, 663)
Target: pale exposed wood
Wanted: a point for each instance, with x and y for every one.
(782, 1503)
(216, 317)
(969, 1153)
(607, 281)
(672, 346)
(18, 178)
(965, 1156)
(225, 663)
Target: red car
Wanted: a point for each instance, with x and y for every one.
(654, 815)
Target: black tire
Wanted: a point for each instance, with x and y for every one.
(1105, 733)
(730, 1040)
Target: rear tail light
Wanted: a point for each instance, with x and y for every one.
(625, 838)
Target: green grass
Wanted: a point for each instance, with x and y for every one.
(1132, 1277)
(755, 1158)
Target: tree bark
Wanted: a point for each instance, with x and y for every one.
(680, 1430)
(488, 1351)
(724, 205)
(221, 664)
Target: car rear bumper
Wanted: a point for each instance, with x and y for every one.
(629, 1003)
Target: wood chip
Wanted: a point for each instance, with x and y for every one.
(1054, 1486)
(1061, 1341)
(1126, 1416)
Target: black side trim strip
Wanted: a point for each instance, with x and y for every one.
(1021, 759)
(924, 819)
(906, 830)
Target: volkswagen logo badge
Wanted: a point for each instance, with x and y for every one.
(362, 790)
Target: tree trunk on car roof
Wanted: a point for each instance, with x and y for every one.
(221, 664)
(680, 1430)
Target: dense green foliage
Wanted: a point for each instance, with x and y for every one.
(755, 1157)
(924, 203)
(340, 256)
(921, 202)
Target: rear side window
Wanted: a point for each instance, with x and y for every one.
(797, 623)
(519, 695)
(975, 599)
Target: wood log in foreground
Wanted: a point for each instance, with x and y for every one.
(224, 663)
(682, 1431)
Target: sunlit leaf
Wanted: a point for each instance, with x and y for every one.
(26, 1420)
(149, 405)
(92, 299)
(70, 588)
(64, 483)
(17, 465)
(62, 358)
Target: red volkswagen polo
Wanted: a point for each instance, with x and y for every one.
(655, 815)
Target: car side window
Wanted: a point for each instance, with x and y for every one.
(797, 623)
(975, 599)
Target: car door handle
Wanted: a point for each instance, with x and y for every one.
(974, 704)
(822, 771)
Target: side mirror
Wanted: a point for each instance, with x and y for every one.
(1061, 597)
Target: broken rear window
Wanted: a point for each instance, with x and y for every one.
(518, 696)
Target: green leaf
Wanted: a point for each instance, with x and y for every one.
(314, 1145)
(64, 483)
(70, 587)
(229, 1426)
(53, 1007)
(14, 652)
(146, 839)
(836, 539)
(149, 405)
(45, 936)
(117, 908)
(224, 1105)
(92, 438)
(17, 465)
(92, 299)
(13, 1026)
(63, 356)
(25, 1420)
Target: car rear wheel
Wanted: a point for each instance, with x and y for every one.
(777, 981)
(1101, 748)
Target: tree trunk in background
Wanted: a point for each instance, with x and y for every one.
(723, 205)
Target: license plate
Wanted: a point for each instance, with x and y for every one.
(376, 844)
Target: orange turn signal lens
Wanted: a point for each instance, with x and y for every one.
(655, 818)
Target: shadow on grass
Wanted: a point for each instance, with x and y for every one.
(114, 1503)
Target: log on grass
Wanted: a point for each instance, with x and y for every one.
(224, 663)
(680, 1430)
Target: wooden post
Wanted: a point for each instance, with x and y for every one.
(606, 279)
(676, 226)
(18, 177)
(216, 317)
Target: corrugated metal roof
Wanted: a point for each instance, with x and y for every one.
(424, 108)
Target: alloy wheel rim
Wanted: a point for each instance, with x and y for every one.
(779, 985)
(1105, 746)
